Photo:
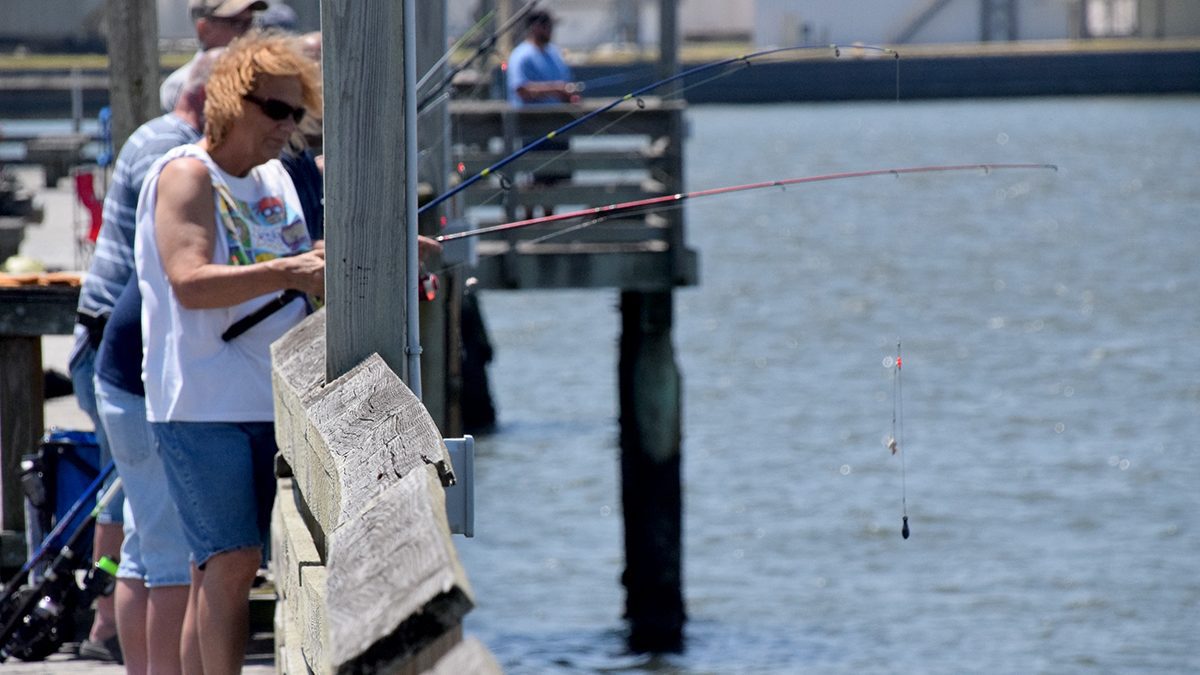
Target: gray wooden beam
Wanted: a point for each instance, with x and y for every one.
(369, 577)
(132, 65)
(366, 178)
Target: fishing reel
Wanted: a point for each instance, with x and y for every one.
(38, 619)
(427, 287)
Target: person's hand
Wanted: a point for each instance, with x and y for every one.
(305, 272)
(427, 247)
(572, 91)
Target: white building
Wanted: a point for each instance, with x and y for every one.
(588, 24)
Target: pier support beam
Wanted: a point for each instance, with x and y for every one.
(133, 65)
(651, 491)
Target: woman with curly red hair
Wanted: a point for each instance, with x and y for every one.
(220, 232)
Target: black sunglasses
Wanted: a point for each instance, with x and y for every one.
(276, 109)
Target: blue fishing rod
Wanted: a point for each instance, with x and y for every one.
(745, 59)
(36, 620)
(51, 541)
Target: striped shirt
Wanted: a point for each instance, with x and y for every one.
(112, 261)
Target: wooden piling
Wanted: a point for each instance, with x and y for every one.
(366, 179)
(651, 489)
(20, 423)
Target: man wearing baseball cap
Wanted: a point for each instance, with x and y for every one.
(217, 23)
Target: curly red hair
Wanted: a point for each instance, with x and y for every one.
(237, 72)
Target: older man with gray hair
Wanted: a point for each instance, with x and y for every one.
(218, 22)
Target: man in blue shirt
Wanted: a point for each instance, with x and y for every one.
(536, 70)
(537, 74)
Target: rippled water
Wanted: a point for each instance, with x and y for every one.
(1051, 405)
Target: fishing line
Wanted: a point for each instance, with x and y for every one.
(624, 207)
(566, 128)
(593, 216)
(506, 182)
(458, 44)
(896, 442)
(484, 48)
(441, 93)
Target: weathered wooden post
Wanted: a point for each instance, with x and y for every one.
(132, 65)
(21, 424)
(367, 193)
(651, 489)
(367, 578)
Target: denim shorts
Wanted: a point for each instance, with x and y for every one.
(154, 549)
(222, 478)
(83, 371)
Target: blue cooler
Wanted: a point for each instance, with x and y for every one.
(54, 479)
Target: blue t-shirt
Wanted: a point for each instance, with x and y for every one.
(310, 187)
(119, 359)
(527, 63)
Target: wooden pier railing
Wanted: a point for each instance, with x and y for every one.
(367, 577)
(632, 151)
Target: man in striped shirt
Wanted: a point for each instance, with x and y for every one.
(111, 268)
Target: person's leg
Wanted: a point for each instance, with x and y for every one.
(129, 598)
(130, 603)
(107, 543)
(155, 546)
(224, 609)
(165, 610)
(211, 471)
(108, 532)
(189, 639)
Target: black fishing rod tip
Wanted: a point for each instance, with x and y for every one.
(904, 528)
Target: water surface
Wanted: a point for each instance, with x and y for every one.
(1051, 406)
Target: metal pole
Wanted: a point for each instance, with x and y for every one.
(413, 349)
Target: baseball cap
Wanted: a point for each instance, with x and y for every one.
(223, 8)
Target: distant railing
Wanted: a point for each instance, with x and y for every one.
(630, 152)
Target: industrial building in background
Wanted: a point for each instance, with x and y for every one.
(591, 26)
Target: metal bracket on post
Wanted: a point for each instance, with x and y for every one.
(460, 497)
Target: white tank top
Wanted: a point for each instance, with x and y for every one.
(191, 375)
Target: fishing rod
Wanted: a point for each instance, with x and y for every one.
(50, 541)
(485, 47)
(745, 59)
(35, 620)
(602, 212)
(470, 33)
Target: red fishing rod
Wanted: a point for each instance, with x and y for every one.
(599, 213)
